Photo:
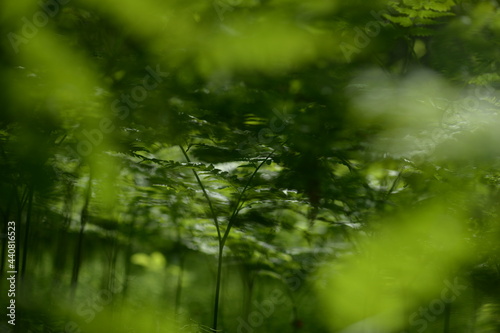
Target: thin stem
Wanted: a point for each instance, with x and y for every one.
(217, 287)
(219, 238)
(222, 239)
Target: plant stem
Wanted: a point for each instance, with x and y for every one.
(222, 239)
(222, 243)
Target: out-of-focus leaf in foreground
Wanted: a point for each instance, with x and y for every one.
(406, 262)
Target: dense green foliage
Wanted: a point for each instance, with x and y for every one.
(250, 166)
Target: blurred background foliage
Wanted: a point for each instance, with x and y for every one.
(251, 165)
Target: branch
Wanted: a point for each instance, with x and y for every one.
(216, 222)
(240, 201)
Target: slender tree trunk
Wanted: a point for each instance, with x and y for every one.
(6, 217)
(77, 259)
(112, 268)
(447, 316)
(249, 281)
(27, 232)
(20, 207)
(128, 254)
(178, 290)
(5, 221)
(60, 257)
(110, 276)
(79, 246)
(180, 258)
(108, 266)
